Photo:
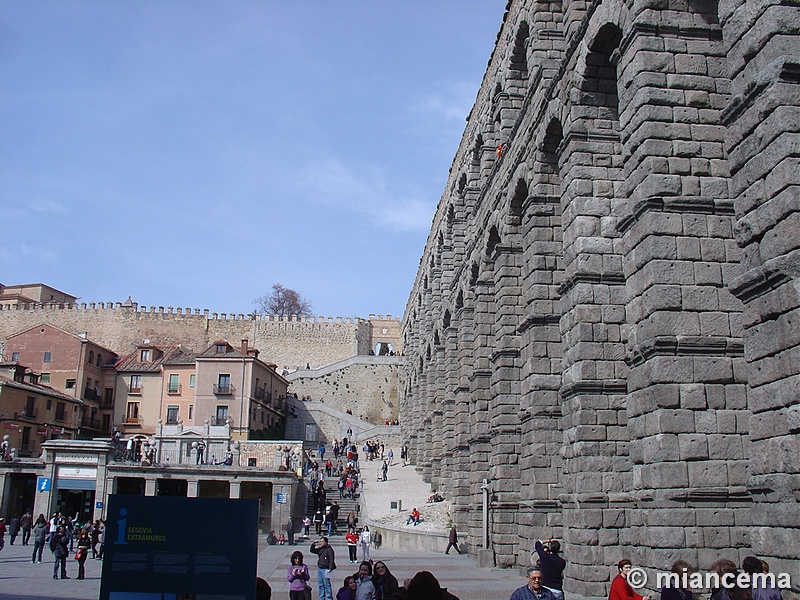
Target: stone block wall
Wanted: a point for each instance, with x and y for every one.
(292, 343)
(367, 387)
(601, 327)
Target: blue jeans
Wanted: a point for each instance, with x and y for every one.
(325, 590)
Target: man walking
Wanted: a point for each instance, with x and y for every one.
(453, 541)
(26, 523)
(290, 531)
(325, 564)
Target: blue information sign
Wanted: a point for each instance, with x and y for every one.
(281, 498)
(43, 484)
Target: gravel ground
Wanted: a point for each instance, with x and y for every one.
(404, 485)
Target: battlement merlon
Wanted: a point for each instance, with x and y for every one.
(170, 310)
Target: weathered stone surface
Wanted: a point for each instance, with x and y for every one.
(659, 288)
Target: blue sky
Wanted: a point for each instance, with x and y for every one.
(191, 154)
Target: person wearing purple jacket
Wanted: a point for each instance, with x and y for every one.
(297, 576)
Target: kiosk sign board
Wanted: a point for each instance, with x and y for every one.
(179, 548)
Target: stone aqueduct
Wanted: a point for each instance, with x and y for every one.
(604, 325)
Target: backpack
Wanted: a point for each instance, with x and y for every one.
(53, 539)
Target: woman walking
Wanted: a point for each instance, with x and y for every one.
(40, 531)
(82, 553)
(351, 537)
(365, 539)
(297, 576)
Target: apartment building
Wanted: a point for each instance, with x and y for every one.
(32, 413)
(74, 365)
(235, 387)
(140, 388)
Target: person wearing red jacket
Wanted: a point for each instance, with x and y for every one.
(620, 588)
(351, 537)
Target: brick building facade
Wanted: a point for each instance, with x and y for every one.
(603, 325)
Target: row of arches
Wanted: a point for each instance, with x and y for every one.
(547, 321)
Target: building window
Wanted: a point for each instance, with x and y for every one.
(99, 360)
(47, 357)
(221, 348)
(108, 396)
(30, 407)
(132, 413)
(15, 357)
(222, 415)
(136, 384)
(145, 355)
(174, 384)
(44, 378)
(70, 385)
(106, 423)
(60, 409)
(91, 356)
(312, 434)
(26, 438)
(191, 380)
(49, 404)
(172, 414)
(224, 384)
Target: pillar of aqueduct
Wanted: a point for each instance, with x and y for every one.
(604, 325)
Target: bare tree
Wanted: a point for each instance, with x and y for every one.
(284, 302)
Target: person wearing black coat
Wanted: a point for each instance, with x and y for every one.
(385, 583)
(59, 546)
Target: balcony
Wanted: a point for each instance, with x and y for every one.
(135, 421)
(135, 390)
(172, 420)
(26, 414)
(91, 394)
(260, 393)
(219, 421)
(89, 423)
(224, 390)
(174, 389)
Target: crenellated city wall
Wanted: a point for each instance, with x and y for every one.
(289, 342)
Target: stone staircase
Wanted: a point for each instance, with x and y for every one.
(345, 506)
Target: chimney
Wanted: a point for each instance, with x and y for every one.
(245, 343)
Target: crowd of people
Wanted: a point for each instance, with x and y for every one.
(545, 579)
(372, 580)
(63, 536)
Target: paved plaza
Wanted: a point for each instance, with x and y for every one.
(21, 580)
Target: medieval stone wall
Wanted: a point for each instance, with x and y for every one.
(604, 322)
(368, 387)
(292, 343)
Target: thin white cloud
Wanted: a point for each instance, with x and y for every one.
(453, 102)
(367, 193)
(47, 206)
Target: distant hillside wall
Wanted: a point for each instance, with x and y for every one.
(367, 385)
(292, 343)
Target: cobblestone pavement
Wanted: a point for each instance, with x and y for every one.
(21, 580)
